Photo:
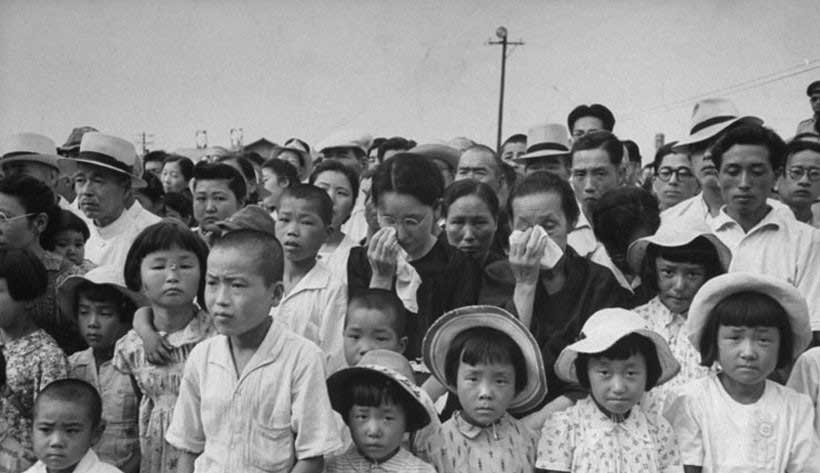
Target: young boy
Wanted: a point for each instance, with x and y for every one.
(315, 300)
(67, 423)
(104, 308)
(252, 398)
(375, 319)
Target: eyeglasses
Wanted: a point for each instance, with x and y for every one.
(797, 172)
(5, 219)
(665, 173)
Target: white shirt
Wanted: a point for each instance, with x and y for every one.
(582, 239)
(778, 246)
(90, 463)
(336, 260)
(110, 244)
(805, 378)
(693, 213)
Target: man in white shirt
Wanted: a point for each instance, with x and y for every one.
(105, 173)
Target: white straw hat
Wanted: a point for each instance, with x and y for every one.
(31, 147)
(710, 117)
(110, 152)
(670, 236)
(550, 139)
(108, 274)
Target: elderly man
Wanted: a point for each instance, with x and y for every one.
(810, 125)
(548, 150)
(106, 171)
(480, 163)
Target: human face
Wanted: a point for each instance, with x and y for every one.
(10, 309)
(18, 231)
(63, 433)
(70, 244)
(542, 209)
(172, 178)
(479, 165)
(747, 355)
(102, 194)
(346, 156)
(592, 175)
(340, 191)
(746, 179)
(680, 183)
(100, 323)
(369, 329)
(678, 283)
(300, 229)
(274, 188)
(170, 278)
(552, 164)
(213, 201)
(471, 226)
(236, 293)
(511, 151)
(585, 125)
(800, 192)
(617, 385)
(705, 171)
(154, 167)
(294, 159)
(485, 391)
(377, 431)
(38, 171)
(814, 99)
(413, 221)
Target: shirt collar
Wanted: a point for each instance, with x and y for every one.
(121, 224)
(472, 431)
(267, 352)
(772, 219)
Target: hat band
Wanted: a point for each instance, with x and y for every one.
(710, 122)
(14, 154)
(104, 159)
(547, 147)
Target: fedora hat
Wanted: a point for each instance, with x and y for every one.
(347, 139)
(710, 117)
(602, 330)
(109, 274)
(74, 139)
(550, 139)
(30, 147)
(389, 366)
(109, 152)
(439, 152)
(250, 217)
(440, 336)
(297, 146)
(670, 236)
(720, 287)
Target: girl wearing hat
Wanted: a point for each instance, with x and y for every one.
(737, 420)
(491, 361)
(379, 403)
(617, 360)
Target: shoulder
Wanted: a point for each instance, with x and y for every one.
(787, 396)
(128, 343)
(407, 462)
(81, 358)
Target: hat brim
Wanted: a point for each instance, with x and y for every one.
(541, 154)
(67, 293)
(565, 364)
(51, 160)
(720, 287)
(713, 130)
(69, 166)
(416, 415)
(637, 250)
(440, 336)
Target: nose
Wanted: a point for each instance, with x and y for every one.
(485, 390)
(588, 187)
(56, 439)
(618, 385)
(172, 274)
(747, 349)
(372, 428)
(745, 180)
(673, 179)
(210, 206)
(83, 187)
(221, 295)
(678, 282)
(469, 233)
(94, 320)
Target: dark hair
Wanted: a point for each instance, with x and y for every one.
(154, 190)
(746, 309)
(25, 275)
(336, 166)
(801, 143)
(205, 171)
(496, 160)
(270, 261)
(544, 182)
(663, 152)
(284, 170)
(2, 369)
(634, 151)
(412, 174)
(108, 294)
(619, 214)
(66, 221)
(164, 235)
(516, 138)
(467, 187)
(375, 143)
(484, 345)
(245, 164)
(371, 390)
(74, 391)
(625, 347)
(750, 134)
(157, 155)
(600, 140)
(179, 202)
(699, 251)
(396, 143)
(35, 196)
(314, 195)
(255, 158)
(186, 166)
(595, 110)
(384, 301)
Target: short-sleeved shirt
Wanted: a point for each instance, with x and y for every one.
(90, 463)
(354, 462)
(722, 435)
(264, 419)
(805, 378)
(807, 126)
(336, 260)
(582, 439)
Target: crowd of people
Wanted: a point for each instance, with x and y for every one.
(387, 305)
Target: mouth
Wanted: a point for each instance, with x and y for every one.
(223, 317)
(172, 291)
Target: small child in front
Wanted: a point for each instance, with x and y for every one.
(617, 360)
(737, 420)
(379, 402)
(491, 361)
(253, 398)
(67, 423)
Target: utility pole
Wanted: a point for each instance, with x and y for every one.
(144, 140)
(501, 33)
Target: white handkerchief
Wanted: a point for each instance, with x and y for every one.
(552, 252)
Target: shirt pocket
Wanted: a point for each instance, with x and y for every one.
(271, 448)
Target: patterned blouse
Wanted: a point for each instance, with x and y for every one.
(582, 439)
(354, 462)
(45, 310)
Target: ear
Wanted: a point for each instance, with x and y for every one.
(278, 291)
(621, 175)
(402, 345)
(436, 210)
(40, 222)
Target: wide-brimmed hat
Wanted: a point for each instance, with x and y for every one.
(387, 365)
(723, 286)
(439, 152)
(347, 139)
(30, 147)
(440, 336)
(109, 152)
(602, 330)
(670, 236)
(712, 116)
(550, 139)
(74, 139)
(250, 217)
(111, 275)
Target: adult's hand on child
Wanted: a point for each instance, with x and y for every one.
(157, 349)
(526, 250)
(382, 253)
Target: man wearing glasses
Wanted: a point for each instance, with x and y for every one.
(799, 186)
(674, 179)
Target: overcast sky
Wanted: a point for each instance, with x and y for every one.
(419, 69)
